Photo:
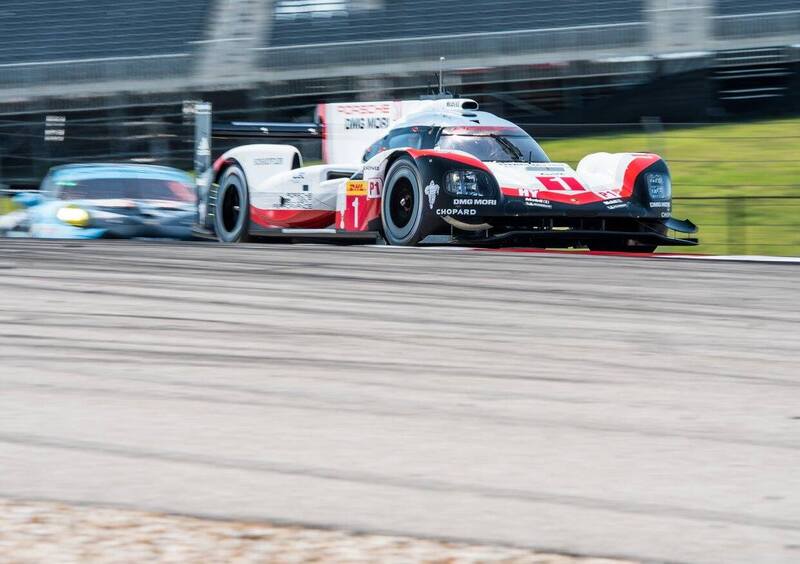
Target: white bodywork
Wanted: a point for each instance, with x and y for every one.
(605, 171)
(601, 173)
(274, 184)
(309, 188)
(260, 161)
(524, 175)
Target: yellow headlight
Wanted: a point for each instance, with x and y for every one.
(73, 215)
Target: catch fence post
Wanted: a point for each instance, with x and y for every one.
(737, 230)
(654, 129)
(202, 155)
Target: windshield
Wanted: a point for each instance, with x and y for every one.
(125, 188)
(505, 144)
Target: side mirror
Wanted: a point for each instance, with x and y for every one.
(28, 199)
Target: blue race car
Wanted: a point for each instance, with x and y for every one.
(90, 201)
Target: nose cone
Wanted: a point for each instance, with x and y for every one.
(527, 175)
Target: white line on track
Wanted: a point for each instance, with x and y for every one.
(736, 258)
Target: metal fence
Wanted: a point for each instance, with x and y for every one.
(730, 225)
(157, 134)
(26, 153)
(744, 225)
(759, 215)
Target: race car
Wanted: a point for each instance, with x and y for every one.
(91, 201)
(443, 172)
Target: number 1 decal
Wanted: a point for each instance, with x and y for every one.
(560, 183)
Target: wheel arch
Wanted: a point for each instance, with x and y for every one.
(395, 156)
(222, 164)
(258, 162)
(430, 162)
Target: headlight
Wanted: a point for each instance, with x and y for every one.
(659, 186)
(462, 183)
(73, 215)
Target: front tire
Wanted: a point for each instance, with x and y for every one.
(232, 214)
(403, 214)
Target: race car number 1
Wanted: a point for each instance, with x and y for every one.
(353, 218)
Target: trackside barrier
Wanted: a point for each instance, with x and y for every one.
(763, 225)
(741, 225)
(760, 217)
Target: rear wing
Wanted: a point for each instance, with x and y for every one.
(272, 130)
(205, 131)
(350, 128)
(346, 129)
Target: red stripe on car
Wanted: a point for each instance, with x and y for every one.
(458, 157)
(636, 166)
(304, 219)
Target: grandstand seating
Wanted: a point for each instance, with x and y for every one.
(298, 22)
(53, 30)
(127, 43)
(743, 19)
(735, 7)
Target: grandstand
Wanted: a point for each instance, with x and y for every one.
(48, 31)
(298, 22)
(146, 45)
(746, 19)
(129, 45)
(548, 60)
(64, 42)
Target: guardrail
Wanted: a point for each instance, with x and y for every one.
(94, 71)
(731, 225)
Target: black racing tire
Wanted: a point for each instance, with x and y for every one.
(232, 212)
(405, 217)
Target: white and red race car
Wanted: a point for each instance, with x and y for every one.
(435, 171)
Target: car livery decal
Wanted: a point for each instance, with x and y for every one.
(569, 190)
(458, 157)
(308, 219)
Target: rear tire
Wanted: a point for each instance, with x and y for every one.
(404, 216)
(232, 213)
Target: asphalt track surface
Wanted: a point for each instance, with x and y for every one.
(645, 408)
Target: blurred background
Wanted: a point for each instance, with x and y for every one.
(711, 85)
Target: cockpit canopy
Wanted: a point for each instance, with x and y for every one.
(487, 143)
(499, 143)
